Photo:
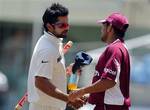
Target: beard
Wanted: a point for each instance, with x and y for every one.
(104, 37)
(62, 35)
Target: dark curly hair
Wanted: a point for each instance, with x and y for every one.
(52, 13)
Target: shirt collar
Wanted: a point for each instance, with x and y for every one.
(118, 40)
(53, 38)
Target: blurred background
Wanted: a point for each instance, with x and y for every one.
(21, 26)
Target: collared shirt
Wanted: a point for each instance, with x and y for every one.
(113, 64)
(47, 62)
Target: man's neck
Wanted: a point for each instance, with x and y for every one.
(51, 33)
(111, 39)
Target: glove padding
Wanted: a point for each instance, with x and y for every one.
(81, 59)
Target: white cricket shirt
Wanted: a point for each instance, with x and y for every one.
(46, 62)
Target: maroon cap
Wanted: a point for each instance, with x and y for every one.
(117, 20)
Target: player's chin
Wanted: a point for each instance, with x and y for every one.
(62, 36)
(103, 38)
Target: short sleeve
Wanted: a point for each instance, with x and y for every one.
(45, 62)
(113, 59)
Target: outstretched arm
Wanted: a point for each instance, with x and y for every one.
(99, 86)
(50, 89)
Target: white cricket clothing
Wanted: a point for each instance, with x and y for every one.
(33, 106)
(46, 62)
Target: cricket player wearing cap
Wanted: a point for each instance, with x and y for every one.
(110, 86)
(47, 81)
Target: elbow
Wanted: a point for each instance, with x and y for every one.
(108, 83)
(111, 83)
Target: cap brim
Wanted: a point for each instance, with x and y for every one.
(101, 21)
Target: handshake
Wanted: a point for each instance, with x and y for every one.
(77, 99)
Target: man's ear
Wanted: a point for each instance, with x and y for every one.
(49, 26)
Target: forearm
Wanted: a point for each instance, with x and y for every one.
(60, 95)
(48, 88)
(99, 86)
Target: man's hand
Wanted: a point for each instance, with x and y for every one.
(69, 69)
(76, 94)
(85, 98)
(77, 103)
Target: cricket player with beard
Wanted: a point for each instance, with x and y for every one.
(47, 83)
(110, 86)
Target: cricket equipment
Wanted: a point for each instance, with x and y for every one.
(67, 46)
(73, 81)
(21, 102)
(81, 59)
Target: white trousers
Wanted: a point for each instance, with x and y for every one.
(41, 107)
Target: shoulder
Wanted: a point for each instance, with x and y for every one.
(44, 45)
(47, 52)
(113, 49)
